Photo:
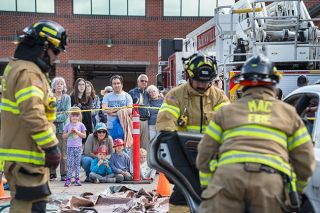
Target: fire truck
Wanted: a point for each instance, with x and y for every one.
(281, 30)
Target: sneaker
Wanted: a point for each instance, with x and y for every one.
(53, 176)
(96, 180)
(63, 178)
(87, 180)
(67, 183)
(77, 182)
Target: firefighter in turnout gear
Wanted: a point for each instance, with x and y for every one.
(257, 154)
(28, 144)
(190, 106)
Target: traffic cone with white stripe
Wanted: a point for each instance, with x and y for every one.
(136, 142)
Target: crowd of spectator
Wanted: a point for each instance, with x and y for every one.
(95, 132)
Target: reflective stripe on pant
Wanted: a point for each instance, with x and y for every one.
(235, 190)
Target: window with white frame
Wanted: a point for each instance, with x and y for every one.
(34, 6)
(110, 7)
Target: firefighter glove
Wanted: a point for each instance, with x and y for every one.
(53, 156)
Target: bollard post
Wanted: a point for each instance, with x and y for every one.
(136, 142)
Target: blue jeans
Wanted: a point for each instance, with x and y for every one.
(86, 163)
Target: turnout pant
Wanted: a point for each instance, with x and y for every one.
(235, 190)
(29, 192)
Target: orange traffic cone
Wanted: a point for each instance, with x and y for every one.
(163, 186)
(2, 194)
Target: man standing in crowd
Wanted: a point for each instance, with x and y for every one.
(117, 98)
(28, 142)
(189, 107)
(140, 96)
(256, 138)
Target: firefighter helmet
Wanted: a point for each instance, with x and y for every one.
(200, 67)
(258, 71)
(46, 31)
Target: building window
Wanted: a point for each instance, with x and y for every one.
(82, 7)
(118, 7)
(110, 7)
(100, 7)
(136, 7)
(207, 7)
(34, 6)
(172, 7)
(192, 7)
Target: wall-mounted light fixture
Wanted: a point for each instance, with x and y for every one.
(15, 38)
(109, 42)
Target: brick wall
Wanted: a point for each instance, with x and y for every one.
(134, 38)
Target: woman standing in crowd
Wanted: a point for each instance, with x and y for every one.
(94, 141)
(154, 101)
(80, 99)
(59, 90)
(95, 103)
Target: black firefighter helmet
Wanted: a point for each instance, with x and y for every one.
(200, 67)
(258, 71)
(47, 32)
(38, 38)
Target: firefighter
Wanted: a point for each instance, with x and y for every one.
(258, 148)
(189, 107)
(28, 144)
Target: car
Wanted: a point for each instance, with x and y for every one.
(175, 153)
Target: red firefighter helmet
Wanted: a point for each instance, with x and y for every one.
(258, 71)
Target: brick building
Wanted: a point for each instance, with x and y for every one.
(134, 40)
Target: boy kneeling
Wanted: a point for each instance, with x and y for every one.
(120, 162)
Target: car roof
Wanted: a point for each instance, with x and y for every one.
(306, 89)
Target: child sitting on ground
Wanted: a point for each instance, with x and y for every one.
(120, 162)
(100, 171)
(146, 172)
